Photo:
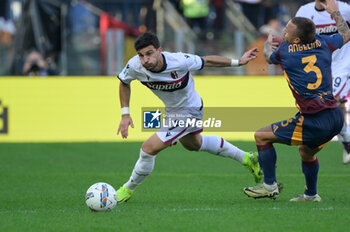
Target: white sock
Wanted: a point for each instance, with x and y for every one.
(270, 187)
(143, 167)
(344, 135)
(218, 146)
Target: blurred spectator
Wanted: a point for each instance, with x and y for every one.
(196, 13)
(127, 11)
(259, 66)
(293, 6)
(7, 25)
(3, 8)
(177, 5)
(10, 9)
(219, 14)
(271, 8)
(81, 19)
(7, 30)
(131, 12)
(215, 19)
(261, 12)
(273, 25)
(284, 13)
(35, 65)
(253, 10)
(150, 17)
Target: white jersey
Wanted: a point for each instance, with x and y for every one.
(174, 84)
(325, 25)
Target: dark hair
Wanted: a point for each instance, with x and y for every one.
(146, 39)
(306, 29)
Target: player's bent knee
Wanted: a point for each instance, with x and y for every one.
(191, 147)
(150, 149)
(256, 136)
(301, 151)
(264, 137)
(306, 154)
(259, 137)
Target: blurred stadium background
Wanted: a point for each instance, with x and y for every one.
(95, 37)
(83, 44)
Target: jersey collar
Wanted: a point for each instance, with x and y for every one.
(319, 10)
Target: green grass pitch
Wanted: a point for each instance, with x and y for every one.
(43, 186)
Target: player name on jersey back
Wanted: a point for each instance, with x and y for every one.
(304, 47)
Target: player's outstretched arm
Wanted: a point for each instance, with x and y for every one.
(219, 61)
(124, 96)
(248, 56)
(331, 6)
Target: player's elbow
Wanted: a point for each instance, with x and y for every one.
(267, 57)
(124, 85)
(268, 60)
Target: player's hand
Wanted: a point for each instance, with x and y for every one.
(248, 56)
(272, 41)
(330, 5)
(124, 125)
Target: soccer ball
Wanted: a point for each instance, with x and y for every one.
(101, 197)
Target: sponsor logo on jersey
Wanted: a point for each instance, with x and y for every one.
(327, 29)
(169, 86)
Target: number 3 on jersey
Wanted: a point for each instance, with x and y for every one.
(310, 67)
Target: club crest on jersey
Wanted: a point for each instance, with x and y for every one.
(174, 75)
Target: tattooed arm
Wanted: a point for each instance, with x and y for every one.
(269, 47)
(332, 8)
(267, 52)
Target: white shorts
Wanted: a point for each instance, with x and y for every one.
(179, 123)
(341, 87)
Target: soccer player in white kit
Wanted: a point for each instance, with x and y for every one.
(169, 77)
(325, 25)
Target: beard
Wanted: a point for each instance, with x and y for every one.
(152, 67)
